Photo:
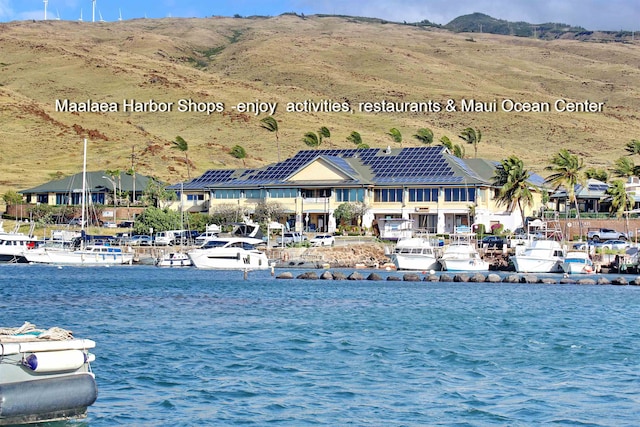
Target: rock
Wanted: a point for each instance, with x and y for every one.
(529, 278)
(586, 281)
(431, 278)
(567, 281)
(338, 275)
(493, 278)
(548, 281)
(393, 278)
(478, 278)
(446, 278)
(620, 281)
(635, 281)
(461, 278)
(374, 276)
(603, 281)
(308, 275)
(326, 275)
(285, 275)
(512, 278)
(355, 276)
(411, 277)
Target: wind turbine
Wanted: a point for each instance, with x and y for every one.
(45, 9)
(80, 15)
(57, 15)
(93, 14)
(120, 12)
(100, 14)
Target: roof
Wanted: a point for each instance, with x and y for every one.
(426, 165)
(96, 182)
(593, 189)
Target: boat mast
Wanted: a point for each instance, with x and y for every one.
(84, 185)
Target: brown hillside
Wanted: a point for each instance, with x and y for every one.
(288, 59)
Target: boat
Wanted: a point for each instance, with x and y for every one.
(416, 253)
(540, 256)
(45, 375)
(230, 253)
(13, 244)
(174, 259)
(87, 255)
(577, 262)
(462, 255)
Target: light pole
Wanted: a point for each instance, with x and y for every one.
(114, 198)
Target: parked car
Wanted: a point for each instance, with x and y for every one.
(109, 224)
(125, 224)
(141, 240)
(291, 237)
(613, 244)
(599, 234)
(496, 242)
(323, 240)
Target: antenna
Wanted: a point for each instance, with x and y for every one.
(45, 9)
(93, 13)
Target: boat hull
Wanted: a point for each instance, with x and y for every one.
(228, 259)
(79, 257)
(415, 262)
(464, 265)
(525, 264)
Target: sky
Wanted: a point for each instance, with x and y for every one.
(612, 15)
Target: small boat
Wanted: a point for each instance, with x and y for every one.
(540, 256)
(577, 262)
(462, 255)
(230, 253)
(13, 244)
(89, 255)
(45, 375)
(174, 259)
(416, 253)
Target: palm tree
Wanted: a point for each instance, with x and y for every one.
(624, 167)
(513, 180)
(270, 124)
(395, 135)
(323, 133)
(599, 174)
(633, 147)
(472, 136)
(567, 171)
(424, 135)
(621, 201)
(311, 139)
(456, 150)
(181, 144)
(356, 139)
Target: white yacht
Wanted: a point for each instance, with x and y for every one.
(89, 255)
(13, 244)
(540, 256)
(577, 262)
(416, 253)
(462, 255)
(174, 259)
(45, 375)
(230, 253)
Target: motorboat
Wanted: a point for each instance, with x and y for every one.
(88, 255)
(230, 253)
(45, 375)
(462, 255)
(416, 253)
(13, 244)
(174, 259)
(540, 256)
(577, 262)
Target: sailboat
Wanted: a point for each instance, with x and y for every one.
(84, 254)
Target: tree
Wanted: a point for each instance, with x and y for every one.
(567, 171)
(270, 124)
(472, 136)
(267, 211)
(238, 152)
(456, 150)
(155, 193)
(424, 135)
(599, 174)
(356, 139)
(621, 201)
(513, 180)
(181, 145)
(347, 212)
(156, 218)
(395, 135)
(314, 140)
(12, 197)
(633, 147)
(625, 167)
(323, 133)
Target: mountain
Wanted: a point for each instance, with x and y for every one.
(52, 71)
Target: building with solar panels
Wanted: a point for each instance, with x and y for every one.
(414, 188)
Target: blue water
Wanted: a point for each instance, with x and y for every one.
(191, 348)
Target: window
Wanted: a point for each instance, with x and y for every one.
(387, 195)
(349, 194)
(253, 194)
(283, 193)
(227, 194)
(195, 197)
(423, 194)
(463, 194)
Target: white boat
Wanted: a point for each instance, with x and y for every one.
(230, 253)
(174, 259)
(44, 375)
(540, 256)
(14, 244)
(462, 255)
(89, 255)
(577, 262)
(416, 253)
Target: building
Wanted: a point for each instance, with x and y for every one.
(422, 188)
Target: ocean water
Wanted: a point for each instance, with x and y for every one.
(184, 347)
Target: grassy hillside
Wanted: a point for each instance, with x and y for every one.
(293, 59)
